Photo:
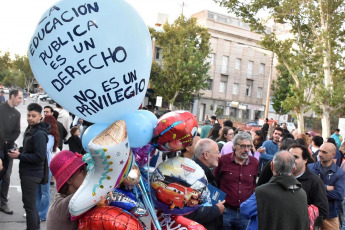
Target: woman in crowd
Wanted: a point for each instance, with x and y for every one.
(43, 191)
(214, 132)
(258, 139)
(226, 135)
(69, 171)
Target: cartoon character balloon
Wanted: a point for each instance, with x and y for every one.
(178, 186)
(109, 218)
(92, 57)
(109, 163)
(175, 130)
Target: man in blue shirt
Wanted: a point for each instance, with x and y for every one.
(334, 179)
(337, 137)
(270, 147)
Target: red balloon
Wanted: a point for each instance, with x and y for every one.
(175, 130)
(177, 222)
(107, 218)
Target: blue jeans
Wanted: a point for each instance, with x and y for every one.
(343, 226)
(234, 220)
(43, 198)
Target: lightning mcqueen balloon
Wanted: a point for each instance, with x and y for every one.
(175, 130)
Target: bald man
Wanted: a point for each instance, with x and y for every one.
(334, 179)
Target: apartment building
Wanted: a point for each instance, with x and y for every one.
(240, 70)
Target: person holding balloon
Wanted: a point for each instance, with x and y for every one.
(69, 171)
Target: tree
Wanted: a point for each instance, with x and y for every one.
(311, 50)
(5, 64)
(21, 64)
(183, 71)
(281, 90)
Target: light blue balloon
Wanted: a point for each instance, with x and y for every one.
(93, 57)
(91, 132)
(139, 129)
(149, 115)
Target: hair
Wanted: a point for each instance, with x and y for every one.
(282, 164)
(214, 118)
(331, 140)
(58, 106)
(318, 141)
(304, 137)
(301, 141)
(49, 107)
(202, 146)
(305, 151)
(228, 123)
(277, 128)
(35, 107)
(14, 92)
(241, 136)
(56, 114)
(214, 131)
(224, 132)
(287, 135)
(337, 130)
(74, 129)
(53, 130)
(286, 143)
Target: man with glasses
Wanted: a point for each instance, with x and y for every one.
(270, 147)
(236, 176)
(334, 179)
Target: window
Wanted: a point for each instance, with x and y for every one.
(250, 69)
(211, 59)
(262, 68)
(158, 53)
(235, 88)
(225, 61)
(259, 95)
(222, 84)
(209, 81)
(249, 87)
(238, 64)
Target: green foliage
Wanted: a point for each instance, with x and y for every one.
(183, 70)
(5, 64)
(21, 64)
(311, 50)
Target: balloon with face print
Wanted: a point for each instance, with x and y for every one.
(175, 130)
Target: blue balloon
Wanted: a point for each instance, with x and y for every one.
(149, 115)
(139, 129)
(91, 132)
(96, 61)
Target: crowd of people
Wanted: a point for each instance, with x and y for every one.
(272, 179)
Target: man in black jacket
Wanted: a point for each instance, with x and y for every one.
(9, 132)
(311, 183)
(49, 111)
(206, 155)
(31, 166)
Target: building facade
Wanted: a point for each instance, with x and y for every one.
(240, 70)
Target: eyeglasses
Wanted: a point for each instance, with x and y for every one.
(245, 146)
(212, 152)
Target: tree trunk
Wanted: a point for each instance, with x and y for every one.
(300, 121)
(325, 122)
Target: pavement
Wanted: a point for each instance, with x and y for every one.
(17, 220)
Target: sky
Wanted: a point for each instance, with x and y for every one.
(19, 18)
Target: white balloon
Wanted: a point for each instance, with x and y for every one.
(108, 165)
(93, 57)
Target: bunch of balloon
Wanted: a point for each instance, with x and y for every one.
(94, 58)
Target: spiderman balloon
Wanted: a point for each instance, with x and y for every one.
(175, 130)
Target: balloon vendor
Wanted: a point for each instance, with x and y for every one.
(69, 171)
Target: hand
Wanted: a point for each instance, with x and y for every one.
(261, 150)
(221, 206)
(329, 188)
(14, 153)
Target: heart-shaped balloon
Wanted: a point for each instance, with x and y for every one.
(93, 57)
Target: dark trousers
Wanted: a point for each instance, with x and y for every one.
(29, 190)
(5, 184)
